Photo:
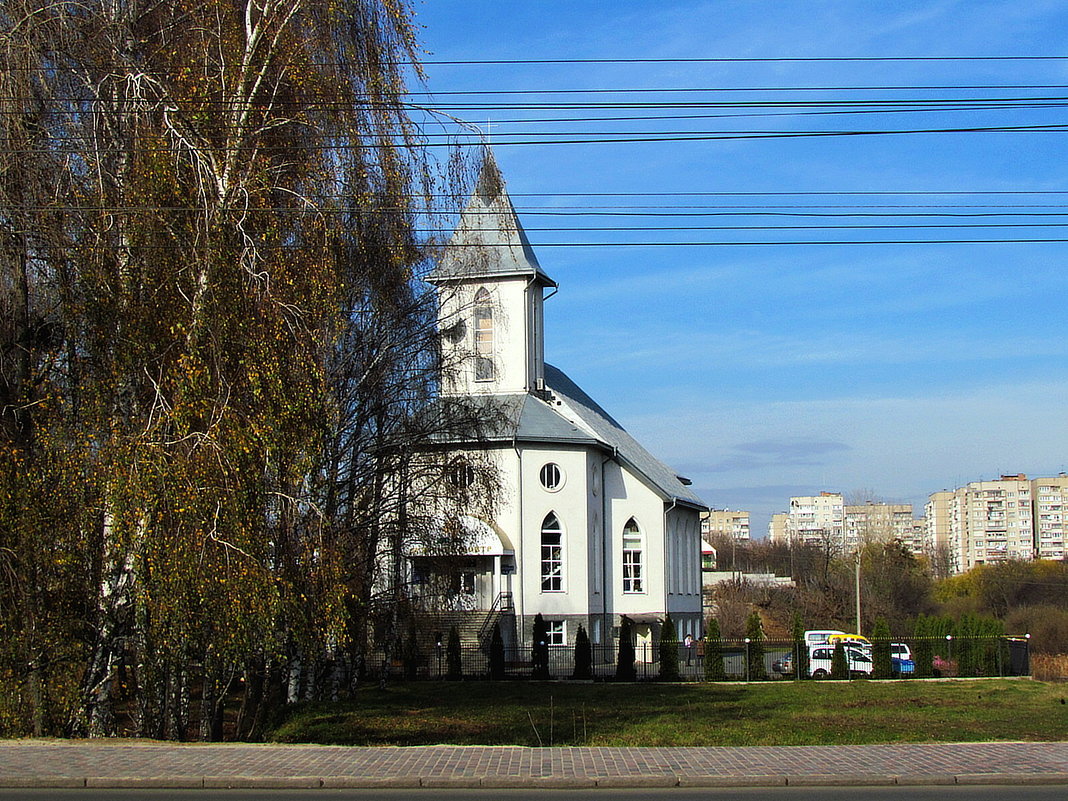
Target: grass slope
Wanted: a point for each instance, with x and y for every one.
(777, 713)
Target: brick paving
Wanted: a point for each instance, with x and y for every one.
(28, 763)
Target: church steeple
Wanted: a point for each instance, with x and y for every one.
(489, 239)
(492, 293)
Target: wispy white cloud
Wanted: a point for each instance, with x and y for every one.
(750, 349)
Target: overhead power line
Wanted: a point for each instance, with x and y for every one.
(618, 244)
(59, 66)
(734, 89)
(587, 140)
(738, 60)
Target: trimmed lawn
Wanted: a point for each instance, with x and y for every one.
(773, 713)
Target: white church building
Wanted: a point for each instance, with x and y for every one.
(589, 526)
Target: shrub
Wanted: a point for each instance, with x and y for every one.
(714, 652)
(1049, 667)
(1047, 624)
(539, 656)
(625, 662)
(754, 630)
(496, 654)
(839, 663)
(882, 667)
(800, 647)
(583, 655)
(453, 663)
(410, 652)
(669, 650)
(922, 647)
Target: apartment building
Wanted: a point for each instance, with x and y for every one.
(777, 527)
(817, 519)
(826, 521)
(939, 513)
(725, 523)
(878, 522)
(1012, 517)
(1050, 501)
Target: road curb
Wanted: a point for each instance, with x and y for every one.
(1012, 778)
(525, 782)
(840, 780)
(732, 781)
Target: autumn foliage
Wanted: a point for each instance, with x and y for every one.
(217, 362)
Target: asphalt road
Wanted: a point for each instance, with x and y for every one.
(940, 793)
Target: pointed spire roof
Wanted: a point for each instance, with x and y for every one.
(489, 240)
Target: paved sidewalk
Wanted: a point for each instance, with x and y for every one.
(35, 763)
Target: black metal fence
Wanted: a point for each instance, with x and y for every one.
(741, 660)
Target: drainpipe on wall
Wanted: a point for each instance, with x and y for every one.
(605, 541)
(667, 571)
(517, 556)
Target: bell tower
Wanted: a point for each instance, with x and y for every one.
(491, 294)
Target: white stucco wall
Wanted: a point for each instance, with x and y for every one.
(517, 336)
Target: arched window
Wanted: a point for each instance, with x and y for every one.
(483, 336)
(552, 554)
(460, 474)
(632, 557)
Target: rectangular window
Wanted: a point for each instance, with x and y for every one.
(632, 563)
(557, 632)
(552, 563)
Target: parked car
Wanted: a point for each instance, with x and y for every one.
(784, 665)
(901, 667)
(944, 667)
(820, 658)
(900, 651)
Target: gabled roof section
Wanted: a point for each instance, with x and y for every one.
(489, 240)
(590, 415)
(571, 417)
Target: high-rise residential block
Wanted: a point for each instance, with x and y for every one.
(826, 521)
(1012, 517)
(725, 523)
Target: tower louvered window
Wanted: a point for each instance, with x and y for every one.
(484, 370)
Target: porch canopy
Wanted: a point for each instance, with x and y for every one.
(476, 538)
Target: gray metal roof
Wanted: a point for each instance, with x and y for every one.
(568, 416)
(489, 240)
(663, 479)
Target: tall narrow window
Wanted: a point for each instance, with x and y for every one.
(483, 336)
(552, 557)
(632, 558)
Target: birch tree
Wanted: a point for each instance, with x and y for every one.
(211, 263)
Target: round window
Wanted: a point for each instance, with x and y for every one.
(552, 477)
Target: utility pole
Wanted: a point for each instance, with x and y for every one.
(857, 583)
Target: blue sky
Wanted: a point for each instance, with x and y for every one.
(775, 370)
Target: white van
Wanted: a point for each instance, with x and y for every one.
(820, 636)
(821, 656)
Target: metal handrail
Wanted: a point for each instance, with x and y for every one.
(501, 604)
